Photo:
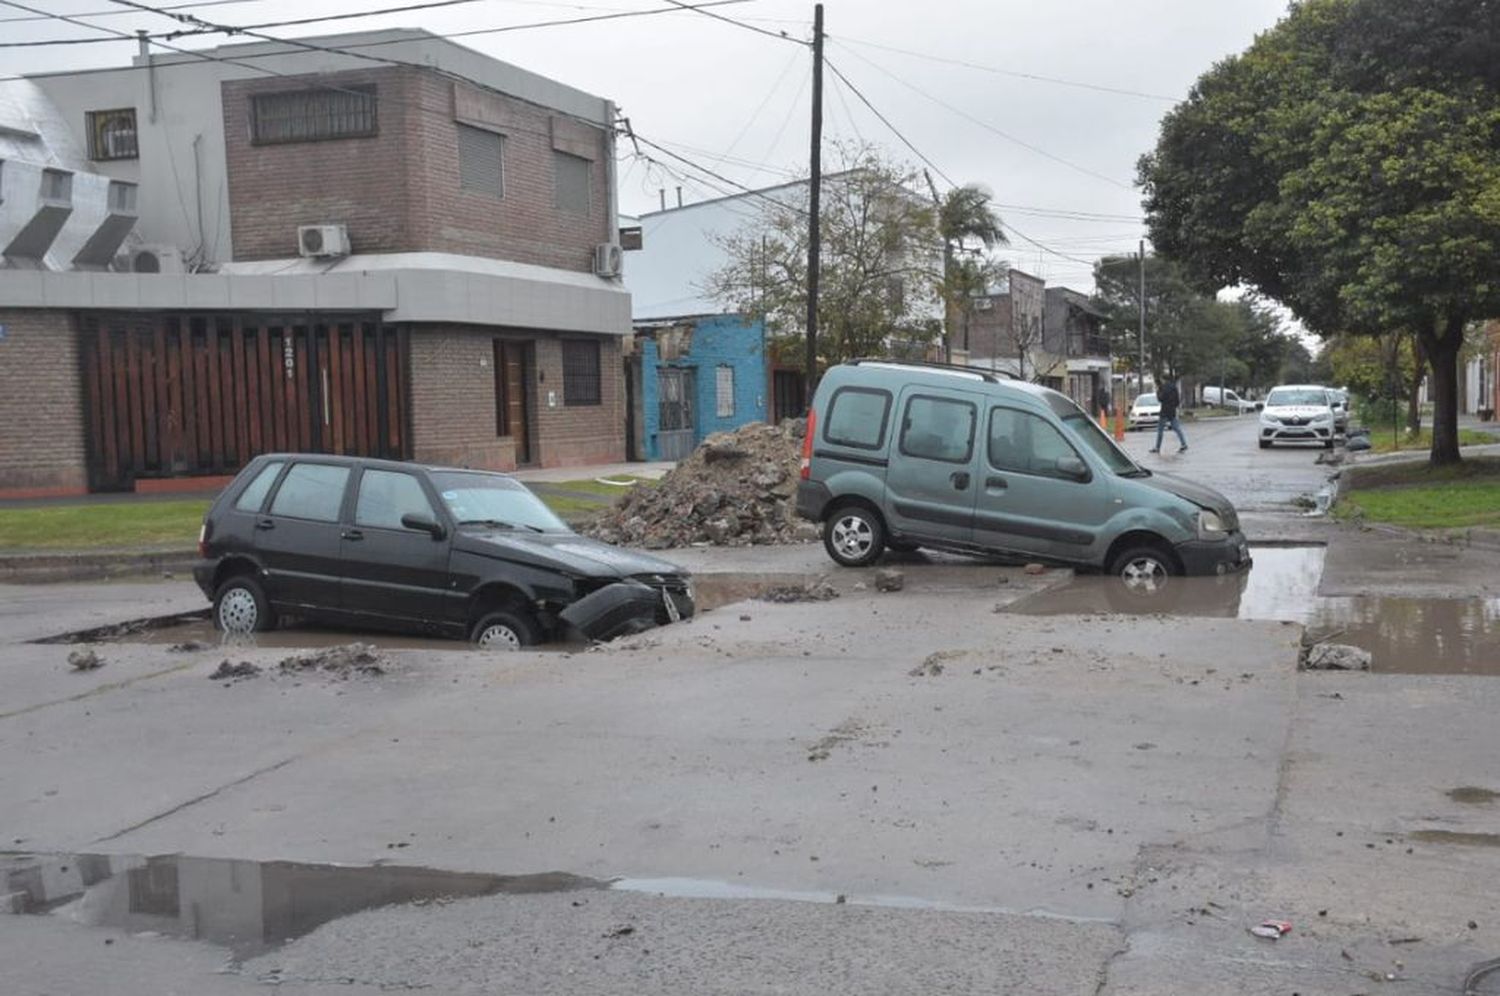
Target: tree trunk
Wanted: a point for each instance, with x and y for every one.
(1413, 396)
(1442, 347)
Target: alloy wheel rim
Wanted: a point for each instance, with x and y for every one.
(499, 637)
(238, 612)
(1144, 575)
(852, 536)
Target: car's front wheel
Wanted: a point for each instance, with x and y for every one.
(503, 630)
(240, 606)
(1144, 571)
(854, 536)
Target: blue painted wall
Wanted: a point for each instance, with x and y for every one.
(723, 340)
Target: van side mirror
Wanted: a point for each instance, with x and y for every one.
(422, 523)
(1072, 468)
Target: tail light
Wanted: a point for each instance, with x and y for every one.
(203, 539)
(807, 444)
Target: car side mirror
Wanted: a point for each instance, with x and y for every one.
(1072, 468)
(422, 523)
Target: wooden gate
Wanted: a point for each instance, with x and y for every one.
(190, 395)
(675, 434)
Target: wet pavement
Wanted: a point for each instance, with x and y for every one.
(1405, 635)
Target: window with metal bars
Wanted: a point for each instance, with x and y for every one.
(112, 135)
(481, 159)
(313, 115)
(581, 382)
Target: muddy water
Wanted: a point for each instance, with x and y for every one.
(248, 906)
(1404, 635)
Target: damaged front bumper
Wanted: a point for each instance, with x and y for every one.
(627, 607)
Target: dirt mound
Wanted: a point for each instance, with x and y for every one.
(343, 661)
(736, 489)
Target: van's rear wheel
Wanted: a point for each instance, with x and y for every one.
(854, 536)
(1144, 571)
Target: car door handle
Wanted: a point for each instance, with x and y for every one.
(352, 534)
(265, 523)
(960, 480)
(996, 483)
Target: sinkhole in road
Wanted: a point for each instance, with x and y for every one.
(1403, 635)
(249, 907)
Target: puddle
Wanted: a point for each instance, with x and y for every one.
(1403, 635)
(1472, 795)
(1455, 837)
(300, 636)
(247, 906)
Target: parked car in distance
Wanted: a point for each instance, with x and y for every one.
(1226, 398)
(460, 553)
(1144, 410)
(1298, 413)
(904, 455)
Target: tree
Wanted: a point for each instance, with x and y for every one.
(1186, 331)
(1346, 165)
(1381, 369)
(969, 229)
(881, 268)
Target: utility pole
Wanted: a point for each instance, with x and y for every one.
(950, 308)
(1141, 377)
(814, 205)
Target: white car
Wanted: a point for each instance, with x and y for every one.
(1228, 399)
(1297, 413)
(1144, 411)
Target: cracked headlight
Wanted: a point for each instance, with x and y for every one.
(1210, 525)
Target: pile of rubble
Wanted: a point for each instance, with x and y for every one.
(737, 489)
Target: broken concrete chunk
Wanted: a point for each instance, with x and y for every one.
(228, 670)
(1336, 657)
(1036, 568)
(889, 579)
(85, 660)
(817, 591)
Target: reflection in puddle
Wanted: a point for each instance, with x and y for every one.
(248, 906)
(1405, 635)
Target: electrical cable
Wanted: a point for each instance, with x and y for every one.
(780, 36)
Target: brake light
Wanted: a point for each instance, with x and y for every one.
(203, 539)
(807, 444)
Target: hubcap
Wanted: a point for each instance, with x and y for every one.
(238, 612)
(1144, 576)
(499, 637)
(852, 536)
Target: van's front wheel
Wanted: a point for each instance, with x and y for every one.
(1143, 571)
(854, 536)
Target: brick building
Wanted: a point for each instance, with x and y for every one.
(277, 248)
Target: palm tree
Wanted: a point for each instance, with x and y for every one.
(965, 217)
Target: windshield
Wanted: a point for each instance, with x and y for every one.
(1284, 397)
(1087, 431)
(495, 500)
(1146, 399)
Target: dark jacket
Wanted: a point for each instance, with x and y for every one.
(1169, 399)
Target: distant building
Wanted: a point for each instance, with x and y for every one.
(1070, 353)
(1480, 384)
(692, 377)
(274, 248)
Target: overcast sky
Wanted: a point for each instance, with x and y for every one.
(738, 101)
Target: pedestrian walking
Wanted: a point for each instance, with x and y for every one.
(1169, 398)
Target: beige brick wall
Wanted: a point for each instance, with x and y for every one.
(399, 191)
(41, 403)
(453, 402)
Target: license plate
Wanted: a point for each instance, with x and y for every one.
(673, 613)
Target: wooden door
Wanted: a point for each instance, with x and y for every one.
(512, 398)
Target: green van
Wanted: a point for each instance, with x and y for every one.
(908, 455)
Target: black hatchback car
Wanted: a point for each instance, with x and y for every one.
(462, 553)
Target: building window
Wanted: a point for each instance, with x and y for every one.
(580, 372)
(481, 161)
(571, 175)
(112, 135)
(313, 115)
(724, 392)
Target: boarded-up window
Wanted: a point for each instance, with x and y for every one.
(580, 372)
(112, 134)
(724, 391)
(481, 161)
(571, 175)
(313, 115)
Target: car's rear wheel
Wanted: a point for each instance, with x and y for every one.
(504, 629)
(240, 606)
(1144, 571)
(854, 536)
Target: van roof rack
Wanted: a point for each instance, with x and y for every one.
(988, 376)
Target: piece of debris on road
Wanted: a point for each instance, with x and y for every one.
(343, 660)
(815, 591)
(736, 489)
(846, 732)
(229, 671)
(85, 660)
(932, 666)
(190, 647)
(1336, 657)
(887, 579)
(1036, 568)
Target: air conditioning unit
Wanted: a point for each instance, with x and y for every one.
(155, 259)
(608, 258)
(321, 241)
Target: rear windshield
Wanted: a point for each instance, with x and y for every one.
(857, 417)
(1296, 396)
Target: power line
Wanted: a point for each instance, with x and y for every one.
(887, 122)
(986, 125)
(118, 13)
(1121, 91)
(779, 35)
(637, 136)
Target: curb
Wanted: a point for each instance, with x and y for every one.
(40, 568)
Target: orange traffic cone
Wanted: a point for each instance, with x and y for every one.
(1119, 426)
